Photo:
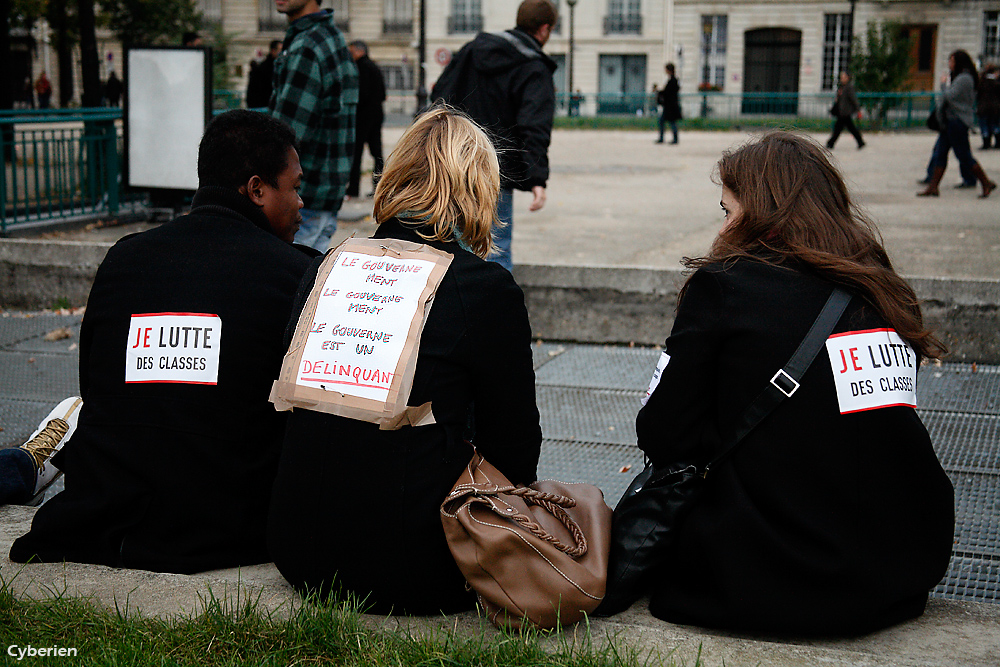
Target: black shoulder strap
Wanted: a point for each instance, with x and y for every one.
(786, 381)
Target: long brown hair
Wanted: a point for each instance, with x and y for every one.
(797, 211)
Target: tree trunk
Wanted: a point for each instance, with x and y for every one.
(89, 60)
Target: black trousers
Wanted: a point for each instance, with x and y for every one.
(838, 127)
(371, 134)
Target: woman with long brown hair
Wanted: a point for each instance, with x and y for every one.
(833, 516)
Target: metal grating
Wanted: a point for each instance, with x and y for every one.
(588, 396)
(603, 367)
(543, 353)
(19, 419)
(965, 442)
(597, 464)
(588, 415)
(977, 514)
(38, 377)
(956, 387)
(13, 330)
(970, 578)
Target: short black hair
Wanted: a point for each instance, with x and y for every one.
(275, 43)
(242, 143)
(189, 37)
(359, 44)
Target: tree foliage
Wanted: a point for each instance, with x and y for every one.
(24, 13)
(881, 62)
(147, 22)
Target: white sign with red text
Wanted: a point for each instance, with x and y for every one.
(361, 324)
(173, 348)
(872, 369)
(654, 382)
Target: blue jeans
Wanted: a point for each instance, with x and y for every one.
(967, 176)
(663, 127)
(502, 236)
(17, 476)
(954, 137)
(317, 228)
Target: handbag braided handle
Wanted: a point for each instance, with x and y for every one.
(552, 503)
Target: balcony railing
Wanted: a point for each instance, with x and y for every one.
(621, 24)
(465, 23)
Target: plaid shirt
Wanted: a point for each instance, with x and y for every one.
(316, 93)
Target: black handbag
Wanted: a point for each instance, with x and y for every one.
(933, 123)
(646, 520)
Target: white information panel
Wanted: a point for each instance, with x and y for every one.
(165, 116)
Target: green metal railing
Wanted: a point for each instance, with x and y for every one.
(718, 109)
(58, 163)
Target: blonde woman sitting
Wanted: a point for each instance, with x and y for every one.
(356, 509)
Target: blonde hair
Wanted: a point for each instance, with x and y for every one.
(443, 178)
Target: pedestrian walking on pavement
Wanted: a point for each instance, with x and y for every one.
(988, 106)
(845, 108)
(504, 81)
(370, 115)
(955, 118)
(669, 100)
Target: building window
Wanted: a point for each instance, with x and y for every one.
(398, 76)
(211, 13)
(621, 84)
(466, 16)
(268, 18)
(624, 17)
(397, 17)
(836, 46)
(991, 36)
(713, 52)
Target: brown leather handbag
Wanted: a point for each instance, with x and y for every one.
(535, 555)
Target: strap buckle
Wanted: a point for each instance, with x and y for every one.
(785, 383)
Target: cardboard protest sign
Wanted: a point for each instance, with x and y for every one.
(355, 346)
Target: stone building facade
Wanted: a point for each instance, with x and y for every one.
(621, 46)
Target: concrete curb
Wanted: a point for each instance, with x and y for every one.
(590, 304)
(949, 634)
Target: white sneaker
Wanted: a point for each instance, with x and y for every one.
(52, 433)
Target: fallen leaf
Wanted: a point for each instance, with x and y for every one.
(624, 468)
(31, 360)
(59, 334)
(72, 347)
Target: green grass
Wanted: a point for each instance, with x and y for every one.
(240, 633)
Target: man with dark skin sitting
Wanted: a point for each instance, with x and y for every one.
(171, 464)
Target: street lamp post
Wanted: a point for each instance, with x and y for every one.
(569, 72)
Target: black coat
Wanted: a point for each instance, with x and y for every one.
(371, 93)
(820, 522)
(361, 505)
(177, 477)
(504, 82)
(669, 99)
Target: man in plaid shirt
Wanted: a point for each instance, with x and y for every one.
(316, 93)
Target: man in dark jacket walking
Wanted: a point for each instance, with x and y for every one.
(845, 108)
(504, 82)
(371, 95)
(260, 83)
(176, 448)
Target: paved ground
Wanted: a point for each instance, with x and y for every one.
(617, 199)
